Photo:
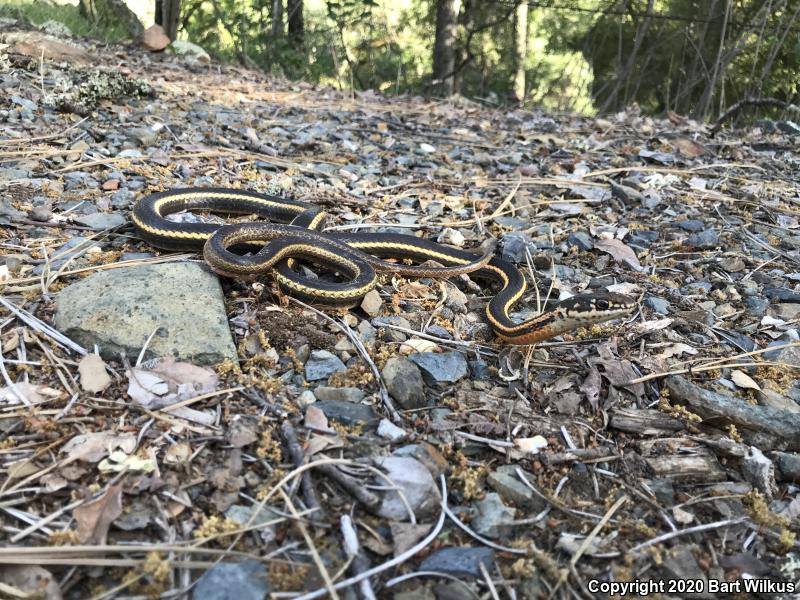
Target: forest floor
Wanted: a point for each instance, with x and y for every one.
(166, 433)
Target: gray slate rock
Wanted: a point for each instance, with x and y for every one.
(505, 482)
(581, 240)
(322, 364)
(246, 580)
(99, 221)
(120, 308)
(459, 561)
(404, 382)
(494, 519)
(708, 238)
(447, 367)
(416, 483)
(659, 305)
(349, 413)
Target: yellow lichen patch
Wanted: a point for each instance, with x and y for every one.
(288, 576)
(215, 526)
(679, 412)
(733, 433)
(68, 537)
(758, 509)
(269, 447)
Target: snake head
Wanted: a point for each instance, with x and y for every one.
(587, 309)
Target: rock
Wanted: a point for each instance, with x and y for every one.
(306, 398)
(460, 562)
(155, 39)
(659, 305)
(41, 213)
(416, 483)
(404, 382)
(190, 51)
(55, 28)
(494, 519)
(45, 47)
(119, 309)
(122, 199)
(788, 127)
(450, 236)
(246, 580)
(100, 221)
(760, 472)
(663, 490)
(512, 222)
(505, 482)
(513, 245)
(344, 394)
(321, 364)
(690, 225)
(480, 370)
(782, 294)
(144, 136)
(456, 300)
(390, 431)
(372, 303)
(580, 240)
(349, 413)
(447, 367)
(756, 305)
(706, 239)
(428, 455)
(7, 209)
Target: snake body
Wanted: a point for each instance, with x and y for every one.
(294, 232)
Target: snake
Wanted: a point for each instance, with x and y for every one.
(294, 233)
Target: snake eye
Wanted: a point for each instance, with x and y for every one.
(602, 304)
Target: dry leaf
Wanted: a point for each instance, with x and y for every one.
(33, 393)
(163, 382)
(93, 447)
(96, 516)
(677, 350)
(621, 252)
(118, 461)
(689, 148)
(651, 326)
(178, 453)
(22, 468)
(743, 380)
(94, 377)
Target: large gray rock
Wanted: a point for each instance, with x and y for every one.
(246, 580)
(440, 369)
(119, 309)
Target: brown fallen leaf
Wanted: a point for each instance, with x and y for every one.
(33, 393)
(689, 148)
(93, 447)
(94, 377)
(163, 382)
(743, 380)
(95, 517)
(621, 252)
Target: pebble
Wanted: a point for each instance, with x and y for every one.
(321, 364)
(119, 309)
(460, 562)
(642, 239)
(512, 222)
(404, 382)
(708, 238)
(782, 295)
(697, 287)
(122, 199)
(452, 237)
(306, 398)
(246, 580)
(580, 240)
(505, 482)
(372, 303)
(480, 370)
(390, 431)
(756, 305)
(493, 519)
(349, 413)
(344, 394)
(659, 305)
(415, 482)
(513, 245)
(690, 225)
(446, 367)
(100, 221)
(439, 332)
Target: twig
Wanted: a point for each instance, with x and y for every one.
(298, 458)
(43, 327)
(688, 531)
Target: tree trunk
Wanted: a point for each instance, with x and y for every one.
(294, 8)
(277, 18)
(467, 21)
(87, 10)
(444, 47)
(168, 16)
(126, 16)
(520, 50)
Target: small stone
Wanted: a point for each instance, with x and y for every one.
(708, 238)
(512, 222)
(321, 364)
(344, 394)
(513, 245)
(190, 51)
(145, 136)
(480, 370)
(581, 240)
(494, 519)
(452, 237)
(122, 199)
(306, 398)
(41, 213)
(246, 580)
(155, 38)
(80, 146)
(756, 305)
(390, 431)
(372, 303)
(782, 295)
(456, 300)
(404, 382)
(506, 483)
(100, 221)
(447, 367)
(427, 148)
(690, 225)
(416, 483)
(349, 413)
(460, 562)
(659, 305)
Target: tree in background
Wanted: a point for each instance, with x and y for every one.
(444, 47)
(294, 10)
(103, 11)
(168, 16)
(520, 50)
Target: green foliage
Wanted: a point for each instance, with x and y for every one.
(36, 12)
